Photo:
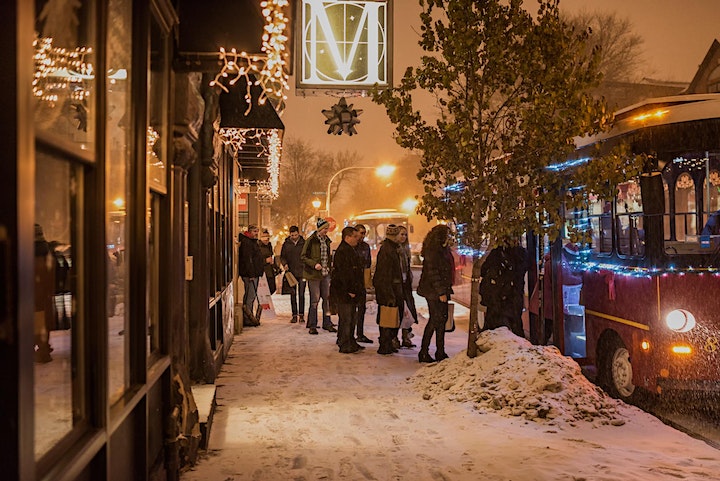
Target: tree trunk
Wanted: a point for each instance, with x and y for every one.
(474, 326)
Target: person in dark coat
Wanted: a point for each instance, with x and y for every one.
(436, 287)
(387, 282)
(316, 257)
(363, 250)
(250, 268)
(407, 275)
(269, 267)
(502, 288)
(290, 260)
(346, 287)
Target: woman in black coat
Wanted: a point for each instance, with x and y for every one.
(387, 282)
(436, 286)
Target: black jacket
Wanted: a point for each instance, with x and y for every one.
(270, 269)
(250, 259)
(387, 280)
(290, 256)
(503, 277)
(437, 274)
(347, 275)
(363, 250)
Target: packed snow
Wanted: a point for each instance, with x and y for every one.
(291, 407)
(512, 377)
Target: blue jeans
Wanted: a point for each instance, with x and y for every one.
(298, 294)
(251, 285)
(319, 288)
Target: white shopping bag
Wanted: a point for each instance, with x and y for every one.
(265, 299)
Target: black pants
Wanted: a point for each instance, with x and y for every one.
(435, 325)
(360, 314)
(346, 327)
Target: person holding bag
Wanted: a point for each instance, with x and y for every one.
(387, 282)
(436, 286)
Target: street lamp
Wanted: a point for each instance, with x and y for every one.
(316, 203)
(381, 171)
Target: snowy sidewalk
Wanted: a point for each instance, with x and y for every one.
(290, 407)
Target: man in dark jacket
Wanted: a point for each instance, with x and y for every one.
(363, 250)
(316, 257)
(290, 260)
(346, 288)
(502, 287)
(250, 268)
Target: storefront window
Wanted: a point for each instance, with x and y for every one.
(64, 77)
(64, 120)
(158, 78)
(118, 158)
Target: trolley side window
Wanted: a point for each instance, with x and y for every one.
(629, 220)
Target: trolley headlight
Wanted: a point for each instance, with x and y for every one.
(680, 320)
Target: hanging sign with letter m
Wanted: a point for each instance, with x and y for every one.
(344, 44)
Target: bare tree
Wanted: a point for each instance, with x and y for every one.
(621, 50)
(304, 174)
(297, 184)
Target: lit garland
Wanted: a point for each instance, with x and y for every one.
(234, 139)
(59, 70)
(268, 69)
(638, 271)
(264, 191)
(275, 151)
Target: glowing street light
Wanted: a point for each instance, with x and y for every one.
(409, 206)
(381, 171)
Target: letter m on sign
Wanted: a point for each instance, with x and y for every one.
(344, 44)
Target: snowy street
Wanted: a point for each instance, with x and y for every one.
(291, 407)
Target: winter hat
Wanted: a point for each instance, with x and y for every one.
(322, 223)
(392, 230)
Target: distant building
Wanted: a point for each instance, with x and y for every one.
(707, 78)
(623, 94)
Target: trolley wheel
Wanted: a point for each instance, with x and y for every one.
(617, 371)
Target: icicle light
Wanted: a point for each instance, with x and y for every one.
(275, 151)
(268, 69)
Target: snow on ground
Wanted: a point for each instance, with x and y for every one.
(290, 407)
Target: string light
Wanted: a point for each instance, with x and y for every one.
(275, 151)
(268, 69)
(60, 70)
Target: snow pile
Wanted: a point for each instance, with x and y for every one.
(512, 377)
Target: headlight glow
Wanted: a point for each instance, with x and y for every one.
(680, 320)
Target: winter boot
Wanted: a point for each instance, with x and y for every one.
(425, 357)
(406, 342)
(294, 318)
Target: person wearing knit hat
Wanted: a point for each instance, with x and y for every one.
(392, 230)
(316, 257)
(322, 224)
(387, 282)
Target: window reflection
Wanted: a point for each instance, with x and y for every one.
(117, 158)
(64, 92)
(55, 233)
